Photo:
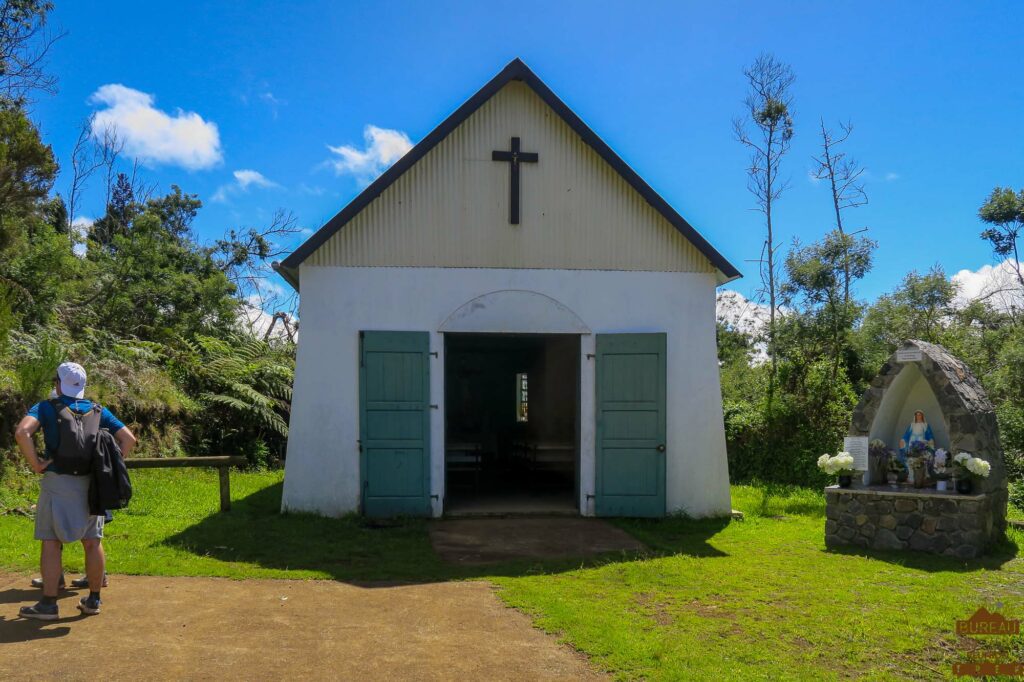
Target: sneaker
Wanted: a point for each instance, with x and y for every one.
(83, 582)
(39, 611)
(90, 606)
(38, 582)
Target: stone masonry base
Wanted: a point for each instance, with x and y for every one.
(925, 521)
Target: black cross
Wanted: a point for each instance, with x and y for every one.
(514, 157)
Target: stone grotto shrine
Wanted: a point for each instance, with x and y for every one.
(922, 393)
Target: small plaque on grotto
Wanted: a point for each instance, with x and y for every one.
(908, 355)
(858, 447)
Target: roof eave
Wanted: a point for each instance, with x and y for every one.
(290, 275)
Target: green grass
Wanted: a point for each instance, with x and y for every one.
(173, 527)
(713, 599)
(763, 598)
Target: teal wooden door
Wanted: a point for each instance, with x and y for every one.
(394, 423)
(630, 425)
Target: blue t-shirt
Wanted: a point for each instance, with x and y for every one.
(44, 412)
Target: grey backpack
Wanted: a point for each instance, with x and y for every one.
(78, 433)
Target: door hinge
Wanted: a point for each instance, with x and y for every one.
(359, 444)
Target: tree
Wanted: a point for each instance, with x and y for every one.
(32, 269)
(921, 308)
(768, 105)
(844, 176)
(121, 211)
(24, 44)
(152, 280)
(27, 170)
(242, 255)
(1004, 211)
(817, 288)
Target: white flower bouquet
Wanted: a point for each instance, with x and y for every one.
(840, 464)
(966, 464)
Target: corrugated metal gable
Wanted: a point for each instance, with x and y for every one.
(450, 209)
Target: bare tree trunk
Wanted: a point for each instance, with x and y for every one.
(844, 177)
(93, 150)
(772, 291)
(827, 144)
(768, 114)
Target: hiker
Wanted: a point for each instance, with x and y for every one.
(83, 582)
(70, 423)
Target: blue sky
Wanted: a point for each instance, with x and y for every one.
(934, 91)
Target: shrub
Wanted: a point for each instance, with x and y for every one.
(1017, 494)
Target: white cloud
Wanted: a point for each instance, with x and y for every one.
(813, 178)
(312, 190)
(247, 178)
(383, 148)
(81, 226)
(890, 176)
(270, 99)
(273, 102)
(244, 179)
(272, 291)
(154, 136)
(997, 285)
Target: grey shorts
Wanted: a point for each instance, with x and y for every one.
(63, 510)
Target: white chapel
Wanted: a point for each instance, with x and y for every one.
(508, 320)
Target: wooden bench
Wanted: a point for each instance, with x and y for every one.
(222, 464)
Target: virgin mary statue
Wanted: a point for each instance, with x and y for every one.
(917, 432)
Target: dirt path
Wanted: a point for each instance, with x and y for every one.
(211, 628)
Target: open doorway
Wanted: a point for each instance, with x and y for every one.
(511, 423)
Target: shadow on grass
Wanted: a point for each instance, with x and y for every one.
(369, 553)
(676, 535)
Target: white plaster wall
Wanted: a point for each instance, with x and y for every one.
(322, 466)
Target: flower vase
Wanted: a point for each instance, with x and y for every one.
(894, 480)
(920, 476)
(964, 485)
(845, 481)
(878, 466)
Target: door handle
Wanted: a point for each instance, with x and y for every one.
(661, 448)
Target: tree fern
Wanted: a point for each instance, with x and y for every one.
(246, 385)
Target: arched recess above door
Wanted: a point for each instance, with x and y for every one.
(514, 311)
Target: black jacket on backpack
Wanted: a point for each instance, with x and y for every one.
(110, 487)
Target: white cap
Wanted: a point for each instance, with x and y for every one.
(72, 379)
